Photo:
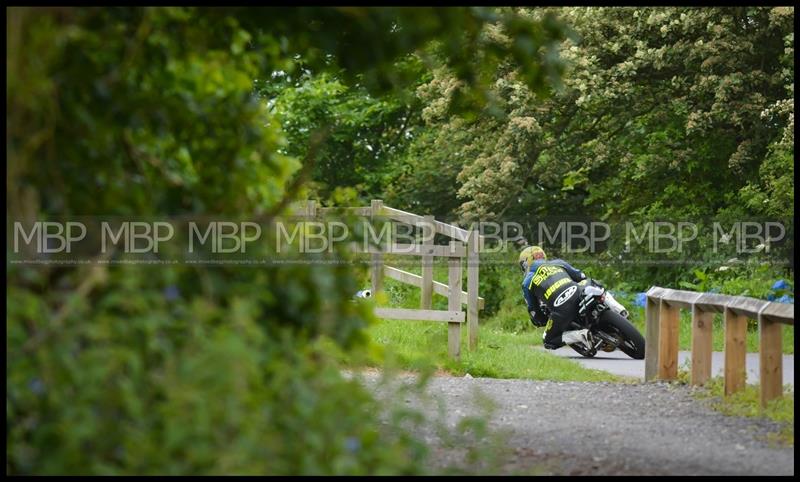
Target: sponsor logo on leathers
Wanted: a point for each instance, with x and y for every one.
(567, 294)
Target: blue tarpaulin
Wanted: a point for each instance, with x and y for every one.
(781, 284)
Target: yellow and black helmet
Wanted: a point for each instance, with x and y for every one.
(528, 255)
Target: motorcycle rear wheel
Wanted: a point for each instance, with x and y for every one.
(632, 341)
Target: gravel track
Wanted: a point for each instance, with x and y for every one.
(582, 428)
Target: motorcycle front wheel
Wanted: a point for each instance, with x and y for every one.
(632, 342)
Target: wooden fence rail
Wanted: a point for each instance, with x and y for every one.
(662, 315)
(464, 244)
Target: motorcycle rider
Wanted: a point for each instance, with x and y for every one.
(551, 288)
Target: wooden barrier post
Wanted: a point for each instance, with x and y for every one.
(473, 261)
(377, 258)
(662, 315)
(669, 317)
(735, 351)
(454, 304)
(770, 359)
(651, 338)
(702, 323)
(429, 232)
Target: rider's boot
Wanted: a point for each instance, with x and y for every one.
(577, 336)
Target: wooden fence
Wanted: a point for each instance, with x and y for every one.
(463, 245)
(662, 314)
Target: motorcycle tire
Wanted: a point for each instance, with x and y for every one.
(632, 341)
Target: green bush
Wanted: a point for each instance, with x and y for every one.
(188, 388)
(191, 369)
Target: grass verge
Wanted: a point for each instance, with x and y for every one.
(503, 351)
(746, 403)
(419, 345)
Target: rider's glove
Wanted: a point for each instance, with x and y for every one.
(538, 319)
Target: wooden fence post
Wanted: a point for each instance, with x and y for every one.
(377, 258)
(651, 338)
(473, 260)
(770, 359)
(702, 323)
(454, 304)
(669, 320)
(662, 316)
(426, 298)
(735, 351)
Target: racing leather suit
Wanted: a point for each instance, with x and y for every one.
(552, 287)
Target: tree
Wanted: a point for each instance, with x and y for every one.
(677, 113)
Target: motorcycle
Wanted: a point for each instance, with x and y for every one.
(606, 319)
(609, 330)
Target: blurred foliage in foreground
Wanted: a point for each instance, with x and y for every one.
(153, 112)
